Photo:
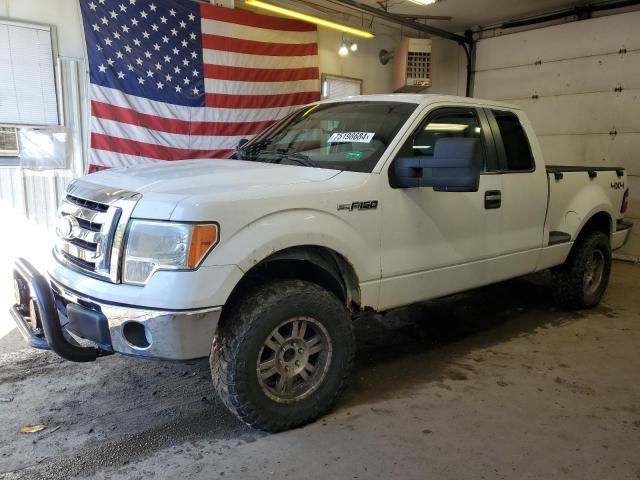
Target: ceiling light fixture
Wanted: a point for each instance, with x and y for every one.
(353, 47)
(309, 18)
(423, 2)
(343, 51)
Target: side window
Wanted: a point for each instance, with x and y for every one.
(443, 123)
(516, 145)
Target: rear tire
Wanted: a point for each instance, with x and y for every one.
(283, 354)
(582, 280)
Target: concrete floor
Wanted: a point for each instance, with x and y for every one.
(492, 384)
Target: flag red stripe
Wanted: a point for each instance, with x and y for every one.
(220, 72)
(218, 100)
(169, 125)
(236, 45)
(251, 19)
(150, 150)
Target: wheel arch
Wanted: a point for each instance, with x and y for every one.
(318, 264)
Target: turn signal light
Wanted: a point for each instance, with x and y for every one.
(625, 202)
(202, 239)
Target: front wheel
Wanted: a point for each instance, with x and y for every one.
(282, 356)
(583, 279)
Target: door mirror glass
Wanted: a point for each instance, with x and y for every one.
(455, 166)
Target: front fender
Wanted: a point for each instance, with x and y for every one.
(357, 241)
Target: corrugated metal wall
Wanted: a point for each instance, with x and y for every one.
(36, 194)
(580, 85)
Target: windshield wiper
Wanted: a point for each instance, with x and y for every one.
(299, 157)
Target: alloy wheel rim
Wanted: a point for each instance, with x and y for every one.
(294, 359)
(594, 272)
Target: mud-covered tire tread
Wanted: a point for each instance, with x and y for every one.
(234, 332)
(568, 278)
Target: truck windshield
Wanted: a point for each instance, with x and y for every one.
(342, 136)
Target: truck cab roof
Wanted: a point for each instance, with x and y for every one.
(423, 99)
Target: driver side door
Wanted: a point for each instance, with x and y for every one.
(438, 243)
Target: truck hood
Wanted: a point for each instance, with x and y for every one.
(164, 185)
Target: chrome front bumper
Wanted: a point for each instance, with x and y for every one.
(80, 328)
(160, 334)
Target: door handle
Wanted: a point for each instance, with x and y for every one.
(492, 199)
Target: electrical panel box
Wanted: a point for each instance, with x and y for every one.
(412, 65)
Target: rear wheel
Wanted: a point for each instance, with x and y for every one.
(583, 279)
(282, 355)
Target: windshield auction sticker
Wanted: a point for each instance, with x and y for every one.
(351, 137)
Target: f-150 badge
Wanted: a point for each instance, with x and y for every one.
(368, 205)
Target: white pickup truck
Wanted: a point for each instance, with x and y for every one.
(344, 207)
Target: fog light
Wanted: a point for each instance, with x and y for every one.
(136, 335)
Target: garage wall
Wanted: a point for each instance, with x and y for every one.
(363, 64)
(36, 194)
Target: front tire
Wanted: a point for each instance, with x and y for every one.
(283, 354)
(582, 280)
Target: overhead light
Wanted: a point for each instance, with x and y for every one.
(353, 47)
(423, 2)
(343, 51)
(309, 18)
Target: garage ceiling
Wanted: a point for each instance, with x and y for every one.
(467, 13)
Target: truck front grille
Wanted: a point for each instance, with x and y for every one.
(90, 229)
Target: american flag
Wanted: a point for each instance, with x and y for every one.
(179, 79)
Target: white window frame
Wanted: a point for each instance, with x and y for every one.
(8, 159)
(328, 76)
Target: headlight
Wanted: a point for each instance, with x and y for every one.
(158, 245)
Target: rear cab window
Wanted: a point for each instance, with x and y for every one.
(512, 143)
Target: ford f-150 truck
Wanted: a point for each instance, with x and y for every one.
(347, 206)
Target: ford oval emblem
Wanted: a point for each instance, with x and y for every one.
(65, 227)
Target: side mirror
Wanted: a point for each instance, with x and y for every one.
(454, 167)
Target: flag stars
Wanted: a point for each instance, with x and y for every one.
(92, 6)
(158, 66)
(155, 27)
(132, 2)
(165, 39)
(193, 36)
(125, 29)
(192, 17)
(174, 32)
(130, 67)
(172, 12)
(195, 73)
(156, 47)
(98, 47)
(120, 75)
(141, 80)
(136, 42)
(127, 48)
(146, 35)
(194, 55)
(186, 81)
(178, 88)
(116, 35)
(183, 24)
(153, 7)
(160, 85)
(143, 14)
(175, 50)
(177, 70)
(149, 73)
(167, 58)
(185, 62)
(104, 21)
(139, 61)
(123, 7)
(147, 54)
(168, 78)
(119, 55)
(96, 27)
(108, 41)
(196, 91)
(134, 22)
(113, 14)
(102, 68)
(110, 62)
(184, 43)
(163, 19)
